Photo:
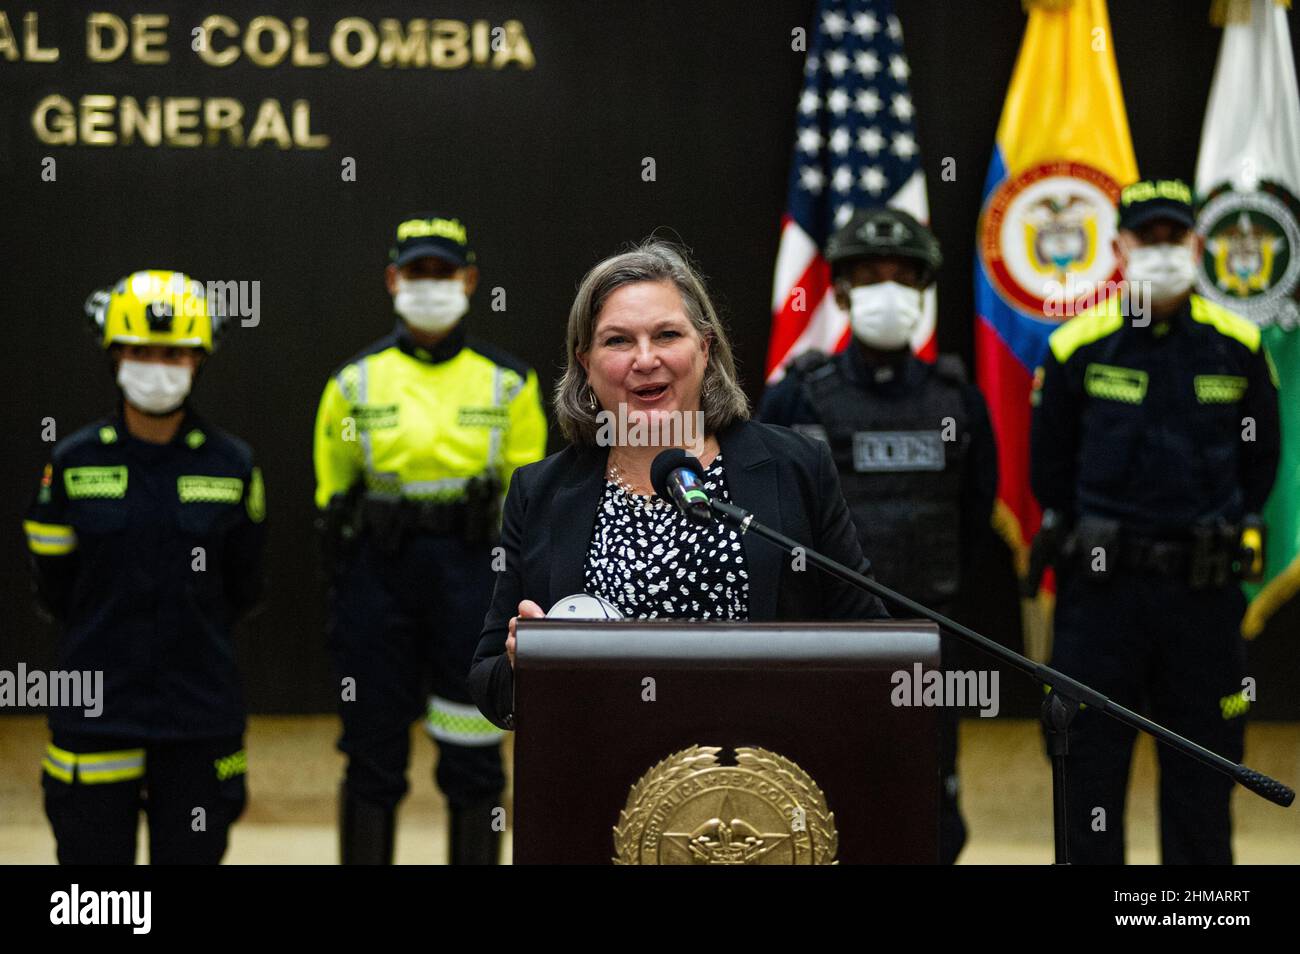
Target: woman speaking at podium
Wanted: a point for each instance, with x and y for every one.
(648, 367)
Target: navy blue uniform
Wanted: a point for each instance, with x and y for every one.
(917, 513)
(1154, 442)
(146, 555)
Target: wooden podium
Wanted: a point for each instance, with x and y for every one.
(651, 742)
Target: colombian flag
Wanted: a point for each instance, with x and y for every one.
(1043, 248)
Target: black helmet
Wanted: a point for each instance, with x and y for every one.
(883, 231)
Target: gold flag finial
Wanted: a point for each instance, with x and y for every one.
(1052, 5)
(1223, 12)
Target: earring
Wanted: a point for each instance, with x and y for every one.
(591, 398)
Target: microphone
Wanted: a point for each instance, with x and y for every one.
(676, 476)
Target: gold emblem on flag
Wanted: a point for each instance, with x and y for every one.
(1045, 238)
(692, 809)
(1251, 262)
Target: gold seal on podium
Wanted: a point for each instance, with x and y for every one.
(691, 809)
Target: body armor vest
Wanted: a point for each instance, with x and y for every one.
(900, 460)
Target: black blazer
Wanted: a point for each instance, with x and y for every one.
(786, 480)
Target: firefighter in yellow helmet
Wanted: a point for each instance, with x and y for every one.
(145, 540)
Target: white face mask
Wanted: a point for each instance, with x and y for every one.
(431, 304)
(153, 387)
(884, 315)
(1170, 270)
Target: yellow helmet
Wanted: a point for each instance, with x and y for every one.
(154, 307)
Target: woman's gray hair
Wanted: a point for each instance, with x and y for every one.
(721, 398)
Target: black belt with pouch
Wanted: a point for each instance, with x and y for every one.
(475, 518)
(1099, 546)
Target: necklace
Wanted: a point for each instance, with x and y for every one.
(623, 484)
(648, 501)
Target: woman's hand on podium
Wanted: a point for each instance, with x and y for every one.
(528, 610)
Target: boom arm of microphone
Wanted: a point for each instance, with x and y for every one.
(673, 462)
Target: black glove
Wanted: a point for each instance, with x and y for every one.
(1044, 552)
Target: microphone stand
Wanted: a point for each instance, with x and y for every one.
(1064, 696)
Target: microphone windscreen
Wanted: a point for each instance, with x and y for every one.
(667, 462)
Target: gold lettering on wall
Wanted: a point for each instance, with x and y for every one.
(340, 42)
(224, 115)
(179, 121)
(302, 52)
(97, 119)
(409, 50)
(146, 122)
(96, 49)
(53, 121)
(450, 47)
(180, 117)
(209, 52)
(33, 52)
(148, 34)
(280, 40)
(267, 42)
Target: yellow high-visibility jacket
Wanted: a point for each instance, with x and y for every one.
(416, 423)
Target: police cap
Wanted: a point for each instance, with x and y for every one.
(1151, 199)
(439, 236)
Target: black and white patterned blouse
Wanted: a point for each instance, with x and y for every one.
(651, 562)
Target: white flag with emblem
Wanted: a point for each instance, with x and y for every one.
(1248, 183)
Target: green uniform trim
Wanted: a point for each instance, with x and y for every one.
(1112, 383)
(1234, 705)
(483, 417)
(95, 482)
(459, 723)
(231, 765)
(50, 539)
(93, 768)
(374, 417)
(1095, 323)
(1226, 322)
(1106, 318)
(1219, 388)
(255, 504)
(197, 489)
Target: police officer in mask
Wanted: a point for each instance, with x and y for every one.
(416, 440)
(912, 440)
(1155, 444)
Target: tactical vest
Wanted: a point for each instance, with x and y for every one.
(901, 479)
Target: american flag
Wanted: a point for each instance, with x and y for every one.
(854, 147)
